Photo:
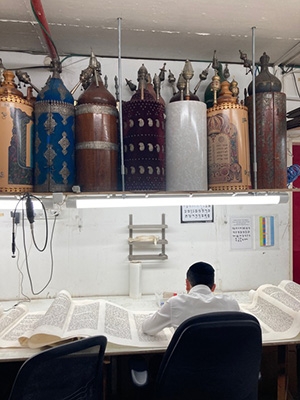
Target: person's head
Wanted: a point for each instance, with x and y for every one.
(200, 273)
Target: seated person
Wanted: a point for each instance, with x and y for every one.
(199, 299)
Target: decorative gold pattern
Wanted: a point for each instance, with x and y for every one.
(62, 91)
(17, 189)
(65, 111)
(225, 106)
(96, 109)
(232, 188)
(96, 145)
(64, 172)
(15, 99)
(50, 154)
(59, 107)
(64, 143)
(37, 143)
(50, 124)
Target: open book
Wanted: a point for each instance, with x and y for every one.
(278, 310)
(67, 319)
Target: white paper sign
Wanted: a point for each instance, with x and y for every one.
(241, 233)
(201, 213)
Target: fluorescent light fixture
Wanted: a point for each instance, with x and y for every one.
(11, 203)
(154, 200)
(8, 204)
(106, 200)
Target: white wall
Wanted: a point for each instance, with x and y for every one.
(90, 247)
(90, 251)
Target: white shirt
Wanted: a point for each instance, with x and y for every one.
(199, 300)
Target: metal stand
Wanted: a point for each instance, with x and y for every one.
(147, 239)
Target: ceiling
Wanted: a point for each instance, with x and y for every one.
(157, 29)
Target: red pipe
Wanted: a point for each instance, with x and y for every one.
(40, 14)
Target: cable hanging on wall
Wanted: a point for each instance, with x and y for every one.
(30, 215)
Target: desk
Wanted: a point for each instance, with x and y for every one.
(279, 353)
(145, 303)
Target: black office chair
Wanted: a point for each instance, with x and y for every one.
(213, 356)
(71, 371)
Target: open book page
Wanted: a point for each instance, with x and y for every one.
(67, 319)
(124, 327)
(50, 327)
(119, 325)
(64, 320)
(277, 312)
(9, 319)
(9, 323)
(291, 288)
(11, 336)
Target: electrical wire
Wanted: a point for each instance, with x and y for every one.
(51, 265)
(30, 216)
(51, 45)
(33, 291)
(28, 196)
(46, 227)
(26, 299)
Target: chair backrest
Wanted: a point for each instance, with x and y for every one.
(213, 356)
(67, 372)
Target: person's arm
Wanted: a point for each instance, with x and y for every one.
(158, 321)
